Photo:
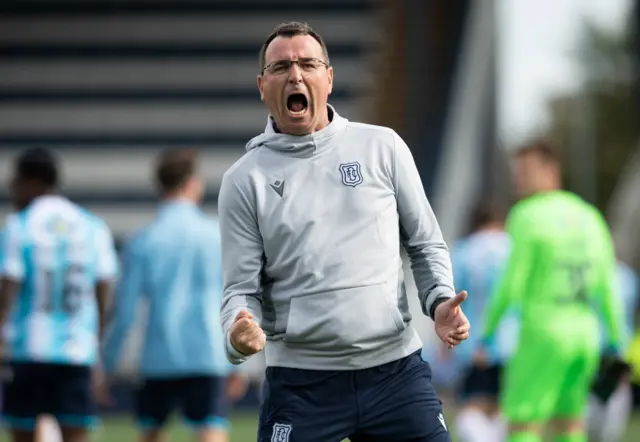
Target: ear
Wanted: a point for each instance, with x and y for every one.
(260, 87)
(330, 77)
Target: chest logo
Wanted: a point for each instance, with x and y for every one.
(351, 174)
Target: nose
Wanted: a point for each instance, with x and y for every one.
(295, 74)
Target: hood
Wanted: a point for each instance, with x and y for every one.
(299, 145)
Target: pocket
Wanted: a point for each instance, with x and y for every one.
(342, 319)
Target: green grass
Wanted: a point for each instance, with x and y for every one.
(244, 430)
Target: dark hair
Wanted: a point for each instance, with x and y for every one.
(289, 30)
(543, 147)
(175, 167)
(38, 163)
(487, 211)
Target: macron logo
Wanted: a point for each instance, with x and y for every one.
(278, 186)
(441, 419)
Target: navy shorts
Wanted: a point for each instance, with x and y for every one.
(63, 391)
(201, 400)
(394, 402)
(481, 382)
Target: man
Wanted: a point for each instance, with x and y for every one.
(608, 417)
(312, 220)
(560, 273)
(58, 263)
(174, 266)
(478, 262)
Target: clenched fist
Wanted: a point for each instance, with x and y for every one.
(245, 334)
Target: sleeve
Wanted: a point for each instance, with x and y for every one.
(127, 296)
(419, 231)
(609, 302)
(12, 262)
(242, 260)
(107, 268)
(513, 281)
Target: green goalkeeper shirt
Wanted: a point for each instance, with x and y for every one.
(560, 275)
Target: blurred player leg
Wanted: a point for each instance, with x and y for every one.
(48, 430)
(568, 422)
(205, 406)
(477, 420)
(74, 407)
(530, 389)
(608, 422)
(155, 400)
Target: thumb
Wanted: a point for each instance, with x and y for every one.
(458, 299)
(243, 314)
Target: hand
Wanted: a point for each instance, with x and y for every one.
(246, 335)
(237, 386)
(100, 386)
(452, 326)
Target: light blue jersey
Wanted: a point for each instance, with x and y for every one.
(478, 261)
(173, 265)
(58, 252)
(628, 291)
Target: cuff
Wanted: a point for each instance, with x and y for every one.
(435, 297)
(234, 356)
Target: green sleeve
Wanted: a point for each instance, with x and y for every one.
(608, 301)
(513, 280)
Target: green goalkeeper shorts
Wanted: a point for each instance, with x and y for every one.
(550, 376)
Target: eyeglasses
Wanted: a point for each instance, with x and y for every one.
(306, 64)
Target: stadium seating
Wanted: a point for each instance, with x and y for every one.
(111, 83)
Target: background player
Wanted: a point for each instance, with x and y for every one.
(174, 265)
(478, 262)
(560, 270)
(58, 263)
(607, 418)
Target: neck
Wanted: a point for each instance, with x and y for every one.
(491, 227)
(178, 197)
(545, 188)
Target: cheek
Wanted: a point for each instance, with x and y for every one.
(271, 92)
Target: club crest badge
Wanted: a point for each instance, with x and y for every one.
(281, 432)
(351, 174)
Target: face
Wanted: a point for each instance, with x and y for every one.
(296, 93)
(532, 174)
(21, 193)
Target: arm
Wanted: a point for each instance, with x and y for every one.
(107, 270)
(609, 302)
(513, 281)
(242, 255)
(127, 295)
(12, 270)
(420, 233)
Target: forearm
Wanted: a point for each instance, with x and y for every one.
(102, 300)
(118, 323)
(8, 290)
(496, 308)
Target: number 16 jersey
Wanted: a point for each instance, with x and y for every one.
(57, 252)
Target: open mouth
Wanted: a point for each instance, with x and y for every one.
(297, 103)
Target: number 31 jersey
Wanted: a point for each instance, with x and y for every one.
(57, 252)
(561, 271)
